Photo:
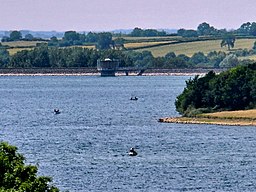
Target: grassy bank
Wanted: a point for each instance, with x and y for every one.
(238, 118)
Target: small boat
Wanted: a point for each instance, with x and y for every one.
(132, 152)
(56, 111)
(134, 98)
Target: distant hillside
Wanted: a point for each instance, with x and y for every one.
(60, 34)
(37, 34)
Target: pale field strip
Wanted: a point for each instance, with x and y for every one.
(144, 44)
(15, 50)
(12, 51)
(150, 38)
(210, 121)
(251, 57)
(22, 43)
(248, 114)
(231, 118)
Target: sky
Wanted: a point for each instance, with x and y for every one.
(107, 15)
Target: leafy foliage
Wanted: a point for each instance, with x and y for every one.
(44, 56)
(187, 33)
(247, 28)
(4, 57)
(206, 29)
(15, 36)
(54, 57)
(138, 32)
(230, 90)
(104, 41)
(16, 176)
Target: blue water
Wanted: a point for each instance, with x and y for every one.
(85, 147)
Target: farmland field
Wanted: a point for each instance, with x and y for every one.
(12, 51)
(159, 46)
(189, 48)
(22, 43)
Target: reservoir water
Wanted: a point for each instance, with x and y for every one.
(85, 147)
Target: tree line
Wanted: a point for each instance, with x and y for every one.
(234, 89)
(205, 29)
(44, 56)
(75, 38)
(58, 53)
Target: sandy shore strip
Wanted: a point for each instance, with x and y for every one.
(210, 121)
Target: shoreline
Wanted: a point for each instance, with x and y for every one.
(94, 72)
(209, 121)
(98, 74)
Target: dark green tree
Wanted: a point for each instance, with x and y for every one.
(40, 57)
(244, 29)
(194, 95)
(4, 57)
(16, 176)
(206, 29)
(15, 36)
(137, 32)
(53, 41)
(230, 90)
(187, 33)
(215, 58)
(170, 55)
(29, 37)
(228, 40)
(71, 36)
(252, 30)
(92, 37)
(104, 41)
(198, 58)
(21, 59)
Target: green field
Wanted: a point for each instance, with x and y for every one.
(15, 46)
(189, 48)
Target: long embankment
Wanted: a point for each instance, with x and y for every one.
(48, 71)
(235, 118)
(93, 71)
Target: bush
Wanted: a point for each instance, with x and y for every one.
(16, 176)
(193, 112)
